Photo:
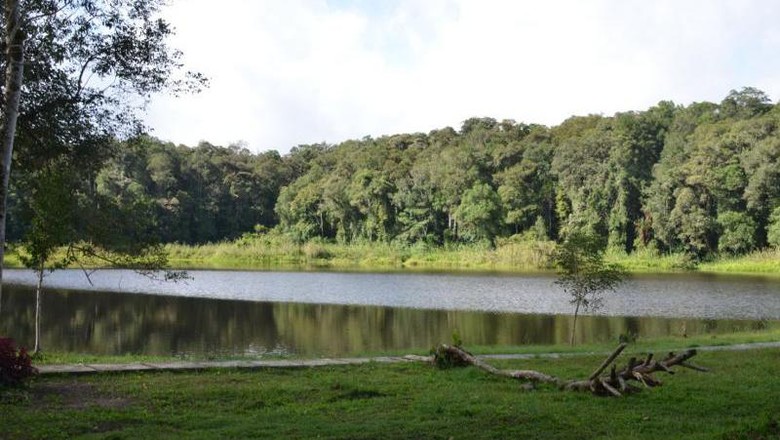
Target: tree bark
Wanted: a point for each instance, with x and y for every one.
(574, 324)
(38, 289)
(14, 55)
(462, 357)
(607, 361)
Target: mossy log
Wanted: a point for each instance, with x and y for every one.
(616, 383)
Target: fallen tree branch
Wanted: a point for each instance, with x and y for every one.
(616, 383)
(456, 356)
(608, 361)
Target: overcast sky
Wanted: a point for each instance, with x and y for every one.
(290, 72)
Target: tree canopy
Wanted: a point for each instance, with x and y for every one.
(81, 72)
(701, 178)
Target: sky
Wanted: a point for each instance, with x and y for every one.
(290, 72)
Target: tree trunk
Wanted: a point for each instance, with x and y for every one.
(574, 324)
(38, 289)
(14, 55)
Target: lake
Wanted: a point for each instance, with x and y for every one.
(341, 314)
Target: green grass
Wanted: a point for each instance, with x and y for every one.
(663, 344)
(764, 262)
(57, 358)
(274, 250)
(660, 344)
(514, 254)
(650, 261)
(738, 399)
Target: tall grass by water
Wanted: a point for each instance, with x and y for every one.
(513, 254)
(765, 262)
(277, 251)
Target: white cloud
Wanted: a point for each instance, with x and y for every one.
(290, 72)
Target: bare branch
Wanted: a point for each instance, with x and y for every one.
(616, 383)
(608, 361)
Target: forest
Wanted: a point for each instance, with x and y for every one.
(699, 179)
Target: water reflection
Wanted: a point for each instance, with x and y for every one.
(118, 323)
(688, 295)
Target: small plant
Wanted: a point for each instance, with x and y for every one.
(15, 364)
(583, 274)
(457, 341)
(627, 338)
(442, 356)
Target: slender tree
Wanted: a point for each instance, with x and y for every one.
(583, 274)
(51, 216)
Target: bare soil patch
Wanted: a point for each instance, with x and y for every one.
(75, 395)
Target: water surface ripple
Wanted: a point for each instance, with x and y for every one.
(688, 295)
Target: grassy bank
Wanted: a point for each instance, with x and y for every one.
(277, 251)
(657, 344)
(274, 251)
(738, 399)
(765, 262)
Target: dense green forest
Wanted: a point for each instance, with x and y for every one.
(701, 178)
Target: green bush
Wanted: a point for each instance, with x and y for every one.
(773, 232)
(738, 234)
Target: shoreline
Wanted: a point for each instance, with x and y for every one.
(277, 252)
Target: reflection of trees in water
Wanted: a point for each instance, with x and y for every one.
(118, 323)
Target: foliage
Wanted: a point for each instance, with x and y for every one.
(697, 179)
(738, 232)
(479, 213)
(89, 228)
(89, 68)
(443, 359)
(15, 364)
(773, 234)
(50, 218)
(583, 274)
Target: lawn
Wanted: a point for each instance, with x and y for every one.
(738, 399)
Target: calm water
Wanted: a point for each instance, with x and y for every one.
(337, 314)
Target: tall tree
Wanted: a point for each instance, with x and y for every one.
(89, 66)
(773, 232)
(13, 41)
(480, 213)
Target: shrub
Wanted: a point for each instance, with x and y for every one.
(316, 250)
(773, 231)
(15, 364)
(738, 232)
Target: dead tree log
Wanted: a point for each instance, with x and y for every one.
(616, 383)
(456, 356)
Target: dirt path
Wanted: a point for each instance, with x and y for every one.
(308, 363)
